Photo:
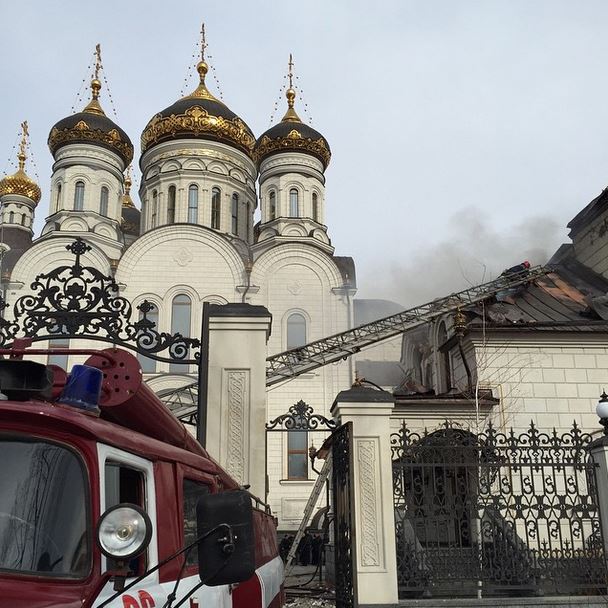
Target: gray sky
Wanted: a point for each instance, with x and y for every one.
(465, 134)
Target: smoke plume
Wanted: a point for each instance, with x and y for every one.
(475, 252)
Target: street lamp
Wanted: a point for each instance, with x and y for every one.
(602, 411)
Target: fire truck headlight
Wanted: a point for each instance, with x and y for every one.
(124, 531)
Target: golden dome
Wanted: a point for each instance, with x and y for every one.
(20, 183)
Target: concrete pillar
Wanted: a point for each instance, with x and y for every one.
(236, 406)
(598, 451)
(369, 410)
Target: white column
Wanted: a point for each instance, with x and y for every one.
(369, 410)
(236, 404)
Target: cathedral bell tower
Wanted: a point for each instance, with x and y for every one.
(91, 153)
(19, 195)
(292, 158)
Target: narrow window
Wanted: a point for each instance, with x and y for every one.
(148, 366)
(180, 324)
(11, 217)
(235, 213)
(272, 205)
(315, 207)
(293, 203)
(58, 200)
(171, 205)
(193, 204)
(297, 455)
(79, 196)
(154, 208)
(247, 220)
(103, 201)
(296, 330)
(23, 220)
(215, 208)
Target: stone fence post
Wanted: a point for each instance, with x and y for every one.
(236, 405)
(369, 411)
(598, 451)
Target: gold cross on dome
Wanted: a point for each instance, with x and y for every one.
(290, 71)
(203, 42)
(97, 60)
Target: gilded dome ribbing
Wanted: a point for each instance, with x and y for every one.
(198, 115)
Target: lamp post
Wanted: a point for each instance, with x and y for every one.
(602, 411)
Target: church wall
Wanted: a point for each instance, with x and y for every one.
(298, 278)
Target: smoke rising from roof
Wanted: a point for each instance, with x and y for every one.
(474, 253)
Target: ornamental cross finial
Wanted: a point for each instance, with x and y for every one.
(203, 42)
(290, 71)
(23, 145)
(97, 60)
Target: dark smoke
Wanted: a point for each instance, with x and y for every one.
(475, 252)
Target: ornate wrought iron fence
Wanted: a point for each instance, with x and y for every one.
(78, 301)
(496, 513)
(343, 511)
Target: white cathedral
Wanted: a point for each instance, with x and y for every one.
(204, 175)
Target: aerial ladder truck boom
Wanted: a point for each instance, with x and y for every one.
(296, 361)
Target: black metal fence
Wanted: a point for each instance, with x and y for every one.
(496, 514)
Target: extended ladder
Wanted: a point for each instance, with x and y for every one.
(292, 363)
(310, 505)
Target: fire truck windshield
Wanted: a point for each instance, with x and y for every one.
(43, 510)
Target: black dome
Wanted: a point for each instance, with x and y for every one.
(88, 127)
(198, 116)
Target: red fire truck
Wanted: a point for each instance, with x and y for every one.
(107, 500)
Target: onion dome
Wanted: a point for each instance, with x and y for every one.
(130, 216)
(198, 116)
(91, 126)
(20, 183)
(292, 135)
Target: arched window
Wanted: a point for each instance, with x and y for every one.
(181, 311)
(58, 199)
(154, 208)
(193, 204)
(79, 196)
(315, 207)
(103, 201)
(272, 205)
(148, 366)
(235, 213)
(296, 330)
(11, 217)
(293, 203)
(23, 220)
(247, 219)
(171, 205)
(216, 198)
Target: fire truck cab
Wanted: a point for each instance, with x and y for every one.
(115, 504)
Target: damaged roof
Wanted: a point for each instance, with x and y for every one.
(569, 298)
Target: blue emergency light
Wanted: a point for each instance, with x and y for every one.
(83, 388)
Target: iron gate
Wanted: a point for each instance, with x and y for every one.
(343, 512)
(496, 513)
